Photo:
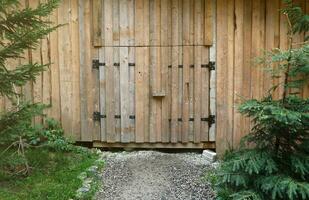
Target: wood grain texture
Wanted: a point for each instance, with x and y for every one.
(97, 22)
(54, 69)
(224, 121)
(238, 68)
(208, 23)
(86, 74)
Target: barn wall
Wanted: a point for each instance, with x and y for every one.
(244, 28)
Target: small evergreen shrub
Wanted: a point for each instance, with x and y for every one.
(273, 159)
(51, 135)
(21, 29)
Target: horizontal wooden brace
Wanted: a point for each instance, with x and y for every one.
(188, 145)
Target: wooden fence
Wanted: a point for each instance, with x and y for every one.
(75, 90)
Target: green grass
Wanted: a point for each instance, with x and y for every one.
(53, 175)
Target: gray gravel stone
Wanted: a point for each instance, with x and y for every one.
(151, 175)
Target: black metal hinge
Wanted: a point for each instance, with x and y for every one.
(97, 116)
(96, 64)
(211, 120)
(210, 66)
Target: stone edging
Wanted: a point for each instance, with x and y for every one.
(90, 177)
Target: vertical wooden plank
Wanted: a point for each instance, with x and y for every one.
(139, 113)
(192, 23)
(131, 23)
(271, 38)
(154, 22)
(109, 71)
(208, 23)
(139, 23)
(155, 72)
(102, 78)
(198, 22)
(145, 88)
(197, 93)
(116, 27)
(247, 60)
(75, 68)
(165, 62)
(175, 63)
(165, 40)
(180, 20)
(124, 23)
(258, 20)
(117, 96)
(142, 95)
(213, 76)
(124, 71)
(110, 95)
(185, 89)
(166, 23)
(108, 22)
(132, 93)
(87, 76)
(225, 16)
(55, 79)
(97, 22)
(191, 95)
(64, 48)
(186, 23)
(180, 70)
(94, 96)
(142, 22)
(139, 73)
(124, 94)
(155, 102)
(180, 90)
(204, 94)
(238, 68)
(169, 99)
(230, 72)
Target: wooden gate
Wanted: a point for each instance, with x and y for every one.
(154, 72)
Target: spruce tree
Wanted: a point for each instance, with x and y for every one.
(21, 29)
(273, 160)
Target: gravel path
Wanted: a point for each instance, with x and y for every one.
(151, 175)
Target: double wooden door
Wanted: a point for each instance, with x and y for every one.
(154, 70)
